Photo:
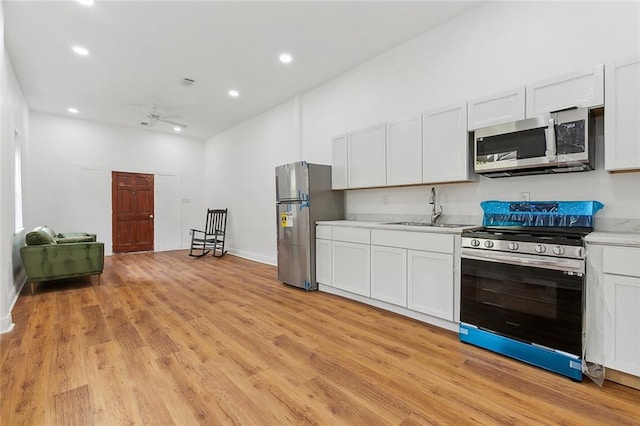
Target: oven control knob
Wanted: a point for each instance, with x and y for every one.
(540, 248)
(488, 244)
(558, 250)
(475, 243)
(513, 245)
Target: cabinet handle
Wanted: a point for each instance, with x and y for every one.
(550, 133)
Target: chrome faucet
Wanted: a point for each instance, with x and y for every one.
(432, 200)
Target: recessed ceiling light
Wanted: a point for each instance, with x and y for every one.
(234, 93)
(285, 58)
(73, 110)
(177, 129)
(80, 50)
(86, 2)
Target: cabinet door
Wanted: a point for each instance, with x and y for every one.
(351, 267)
(366, 158)
(499, 108)
(404, 151)
(621, 334)
(339, 163)
(445, 145)
(584, 88)
(622, 126)
(389, 275)
(430, 283)
(323, 261)
(594, 307)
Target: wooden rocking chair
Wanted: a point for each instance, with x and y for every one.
(212, 238)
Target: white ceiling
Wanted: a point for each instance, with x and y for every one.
(141, 51)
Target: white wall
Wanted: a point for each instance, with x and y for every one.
(240, 177)
(69, 164)
(492, 48)
(14, 118)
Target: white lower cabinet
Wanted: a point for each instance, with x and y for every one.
(621, 334)
(613, 307)
(389, 275)
(430, 283)
(323, 261)
(621, 316)
(351, 267)
(407, 272)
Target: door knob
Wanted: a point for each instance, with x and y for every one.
(150, 216)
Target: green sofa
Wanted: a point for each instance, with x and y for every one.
(50, 256)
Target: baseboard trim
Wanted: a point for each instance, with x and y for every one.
(253, 256)
(19, 290)
(6, 324)
(622, 378)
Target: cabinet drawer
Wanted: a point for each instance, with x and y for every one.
(442, 243)
(621, 261)
(323, 232)
(351, 235)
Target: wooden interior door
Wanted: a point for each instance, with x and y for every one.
(132, 212)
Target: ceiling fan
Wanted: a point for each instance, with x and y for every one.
(154, 116)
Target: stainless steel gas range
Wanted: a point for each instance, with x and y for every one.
(522, 293)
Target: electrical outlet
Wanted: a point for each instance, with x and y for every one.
(385, 200)
(524, 196)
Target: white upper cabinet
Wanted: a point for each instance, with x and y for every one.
(499, 108)
(404, 151)
(584, 88)
(367, 157)
(445, 145)
(339, 163)
(622, 115)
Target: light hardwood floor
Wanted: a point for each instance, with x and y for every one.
(169, 339)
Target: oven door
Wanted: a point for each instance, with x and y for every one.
(532, 299)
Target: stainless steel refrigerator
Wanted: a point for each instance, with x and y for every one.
(303, 196)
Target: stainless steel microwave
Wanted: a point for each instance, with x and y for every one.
(552, 143)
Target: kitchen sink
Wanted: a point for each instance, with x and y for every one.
(435, 225)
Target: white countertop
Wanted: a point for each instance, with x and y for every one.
(628, 239)
(387, 226)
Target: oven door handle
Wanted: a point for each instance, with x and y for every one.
(556, 264)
